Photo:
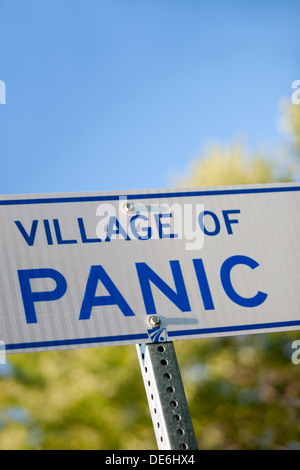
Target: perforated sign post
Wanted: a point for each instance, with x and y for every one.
(149, 268)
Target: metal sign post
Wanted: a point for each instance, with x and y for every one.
(166, 397)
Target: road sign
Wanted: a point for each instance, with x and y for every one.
(91, 269)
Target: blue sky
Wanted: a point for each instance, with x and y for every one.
(123, 94)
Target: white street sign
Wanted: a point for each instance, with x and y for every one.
(91, 269)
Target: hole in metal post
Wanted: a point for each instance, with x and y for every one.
(164, 362)
(183, 446)
(177, 418)
(173, 403)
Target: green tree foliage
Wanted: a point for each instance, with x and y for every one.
(74, 399)
(243, 391)
(232, 165)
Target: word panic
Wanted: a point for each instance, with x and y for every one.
(146, 277)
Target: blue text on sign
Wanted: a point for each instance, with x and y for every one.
(146, 277)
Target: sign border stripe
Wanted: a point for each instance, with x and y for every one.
(70, 342)
(112, 197)
(225, 329)
(141, 336)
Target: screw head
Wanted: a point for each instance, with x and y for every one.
(128, 208)
(154, 321)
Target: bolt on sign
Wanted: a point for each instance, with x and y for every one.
(90, 269)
